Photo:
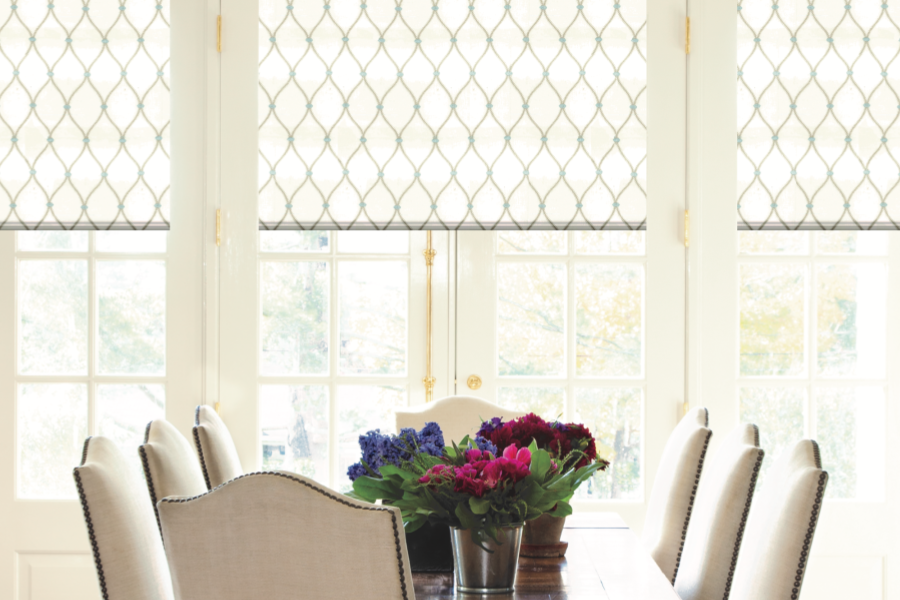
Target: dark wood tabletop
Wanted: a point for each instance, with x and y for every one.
(605, 561)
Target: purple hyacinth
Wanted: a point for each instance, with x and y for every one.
(488, 427)
(485, 445)
(380, 449)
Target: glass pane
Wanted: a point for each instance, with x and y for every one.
(860, 243)
(547, 402)
(608, 314)
(531, 319)
(373, 242)
(774, 242)
(780, 414)
(132, 317)
(53, 317)
(850, 426)
(851, 318)
(293, 241)
(772, 319)
(373, 299)
(52, 423)
(362, 409)
(609, 242)
(137, 242)
(55, 241)
(294, 323)
(531, 242)
(614, 417)
(123, 412)
(293, 421)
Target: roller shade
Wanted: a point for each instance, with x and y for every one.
(452, 114)
(84, 115)
(818, 141)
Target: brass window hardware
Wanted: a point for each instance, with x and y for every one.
(219, 33)
(474, 382)
(429, 377)
(687, 35)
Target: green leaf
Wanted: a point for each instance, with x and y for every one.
(466, 517)
(540, 464)
(533, 447)
(371, 489)
(563, 509)
(391, 470)
(479, 506)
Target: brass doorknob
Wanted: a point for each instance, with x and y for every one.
(474, 382)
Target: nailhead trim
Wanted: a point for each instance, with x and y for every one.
(101, 578)
(817, 454)
(196, 431)
(687, 518)
(744, 515)
(807, 541)
(143, 452)
(328, 495)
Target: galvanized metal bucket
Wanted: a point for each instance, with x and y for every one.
(481, 572)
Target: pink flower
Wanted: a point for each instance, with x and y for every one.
(523, 455)
(473, 455)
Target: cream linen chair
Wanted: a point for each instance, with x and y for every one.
(781, 527)
(720, 514)
(128, 552)
(218, 455)
(457, 415)
(672, 498)
(281, 536)
(170, 464)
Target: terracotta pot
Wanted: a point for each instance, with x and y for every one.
(541, 537)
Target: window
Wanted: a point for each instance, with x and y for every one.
(334, 348)
(813, 308)
(91, 348)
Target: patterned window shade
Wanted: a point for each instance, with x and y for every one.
(84, 115)
(458, 114)
(818, 106)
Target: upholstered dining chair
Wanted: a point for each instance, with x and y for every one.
(170, 464)
(457, 415)
(781, 526)
(720, 514)
(674, 490)
(281, 536)
(219, 459)
(128, 552)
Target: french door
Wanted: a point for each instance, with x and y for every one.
(100, 332)
(795, 331)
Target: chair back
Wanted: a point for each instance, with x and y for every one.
(720, 514)
(170, 464)
(128, 552)
(457, 415)
(218, 455)
(672, 498)
(281, 536)
(781, 526)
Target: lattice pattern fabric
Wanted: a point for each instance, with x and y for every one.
(458, 114)
(84, 115)
(818, 105)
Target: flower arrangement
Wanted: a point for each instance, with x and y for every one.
(475, 485)
(559, 439)
(380, 449)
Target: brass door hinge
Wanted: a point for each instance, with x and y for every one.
(218, 227)
(219, 33)
(687, 35)
(687, 229)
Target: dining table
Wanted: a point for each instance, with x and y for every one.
(605, 560)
